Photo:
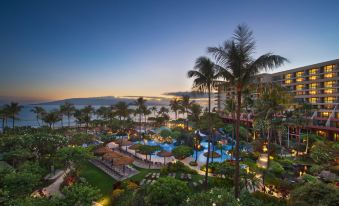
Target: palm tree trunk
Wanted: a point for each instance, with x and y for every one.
(209, 137)
(237, 167)
(307, 144)
(13, 118)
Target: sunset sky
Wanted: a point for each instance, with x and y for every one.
(60, 49)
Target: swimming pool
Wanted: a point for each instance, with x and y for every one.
(201, 158)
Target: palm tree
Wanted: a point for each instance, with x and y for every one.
(13, 109)
(230, 108)
(146, 113)
(87, 112)
(205, 79)
(237, 65)
(269, 107)
(141, 104)
(175, 106)
(69, 110)
(185, 104)
(154, 110)
(39, 111)
(51, 118)
(3, 117)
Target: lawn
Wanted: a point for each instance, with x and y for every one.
(99, 179)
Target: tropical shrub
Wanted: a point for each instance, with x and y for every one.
(177, 167)
(314, 194)
(182, 151)
(321, 153)
(167, 191)
(80, 194)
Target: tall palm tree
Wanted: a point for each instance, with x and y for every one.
(146, 113)
(230, 109)
(13, 109)
(175, 106)
(237, 65)
(269, 107)
(51, 118)
(141, 104)
(38, 111)
(87, 114)
(69, 110)
(3, 117)
(154, 110)
(205, 79)
(185, 105)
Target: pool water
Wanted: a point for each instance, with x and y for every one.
(201, 158)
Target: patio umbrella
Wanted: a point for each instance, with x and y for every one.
(123, 142)
(123, 161)
(164, 154)
(135, 147)
(101, 150)
(111, 155)
(212, 154)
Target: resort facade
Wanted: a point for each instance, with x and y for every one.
(316, 84)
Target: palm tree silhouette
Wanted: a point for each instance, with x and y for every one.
(205, 79)
(13, 109)
(237, 65)
(39, 112)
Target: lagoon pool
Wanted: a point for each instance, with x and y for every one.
(201, 158)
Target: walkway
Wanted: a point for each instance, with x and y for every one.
(54, 188)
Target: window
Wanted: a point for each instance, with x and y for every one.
(329, 84)
(300, 79)
(329, 99)
(337, 115)
(312, 92)
(313, 77)
(288, 81)
(300, 93)
(313, 86)
(329, 75)
(325, 114)
(312, 71)
(329, 91)
(299, 74)
(328, 68)
(313, 100)
(287, 76)
(299, 87)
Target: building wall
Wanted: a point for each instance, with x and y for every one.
(317, 84)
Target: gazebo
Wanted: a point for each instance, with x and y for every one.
(164, 154)
(101, 151)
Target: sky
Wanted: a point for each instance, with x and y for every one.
(52, 50)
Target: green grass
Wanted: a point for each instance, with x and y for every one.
(99, 179)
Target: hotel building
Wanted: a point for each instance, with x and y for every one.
(317, 84)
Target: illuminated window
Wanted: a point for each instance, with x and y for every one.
(329, 75)
(337, 115)
(328, 68)
(313, 100)
(313, 71)
(312, 92)
(329, 99)
(329, 84)
(329, 91)
(300, 93)
(299, 87)
(313, 86)
(313, 77)
(299, 74)
(288, 81)
(325, 114)
(287, 76)
(300, 79)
